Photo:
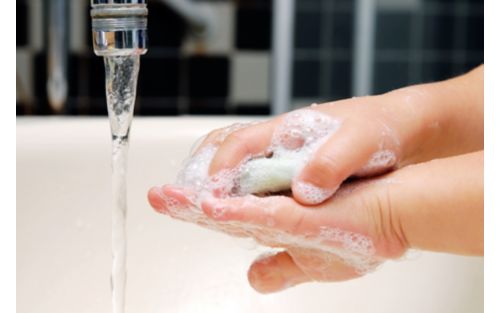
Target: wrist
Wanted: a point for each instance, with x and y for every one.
(418, 121)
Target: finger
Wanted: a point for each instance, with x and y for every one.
(356, 220)
(167, 198)
(217, 136)
(175, 202)
(276, 212)
(344, 153)
(275, 272)
(252, 140)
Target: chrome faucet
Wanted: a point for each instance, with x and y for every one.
(119, 27)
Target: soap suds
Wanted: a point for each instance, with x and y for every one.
(310, 193)
(379, 162)
(293, 144)
(386, 157)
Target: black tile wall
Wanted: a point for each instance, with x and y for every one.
(253, 28)
(20, 109)
(475, 33)
(157, 106)
(253, 109)
(73, 107)
(470, 64)
(347, 5)
(207, 107)
(393, 30)
(434, 41)
(304, 5)
(438, 30)
(306, 79)
(159, 77)
(307, 30)
(41, 105)
(435, 71)
(165, 27)
(96, 77)
(22, 23)
(444, 3)
(40, 74)
(342, 24)
(390, 75)
(97, 107)
(341, 79)
(208, 77)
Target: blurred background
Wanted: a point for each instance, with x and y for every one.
(230, 70)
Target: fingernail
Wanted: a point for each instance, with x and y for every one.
(261, 279)
(156, 198)
(310, 193)
(171, 199)
(215, 209)
(268, 279)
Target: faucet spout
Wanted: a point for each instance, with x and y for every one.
(119, 27)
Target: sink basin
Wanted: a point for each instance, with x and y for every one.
(64, 237)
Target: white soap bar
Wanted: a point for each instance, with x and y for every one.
(269, 174)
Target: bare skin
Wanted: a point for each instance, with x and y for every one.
(433, 201)
(429, 121)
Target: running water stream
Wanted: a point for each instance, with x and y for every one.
(121, 82)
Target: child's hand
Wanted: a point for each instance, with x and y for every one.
(435, 205)
(376, 134)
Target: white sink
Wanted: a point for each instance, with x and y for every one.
(64, 236)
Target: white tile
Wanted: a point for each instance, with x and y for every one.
(220, 38)
(250, 77)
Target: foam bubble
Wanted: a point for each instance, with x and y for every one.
(302, 130)
(293, 144)
(379, 162)
(219, 211)
(311, 193)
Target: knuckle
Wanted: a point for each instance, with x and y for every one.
(292, 217)
(211, 138)
(239, 140)
(386, 225)
(236, 137)
(324, 167)
(213, 135)
(297, 222)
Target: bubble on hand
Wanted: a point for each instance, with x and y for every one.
(312, 194)
(379, 162)
(293, 144)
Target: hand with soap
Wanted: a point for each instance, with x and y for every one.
(333, 229)
(374, 134)
(436, 205)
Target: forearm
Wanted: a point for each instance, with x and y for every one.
(447, 117)
(439, 204)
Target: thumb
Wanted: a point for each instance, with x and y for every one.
(273, 272)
